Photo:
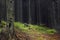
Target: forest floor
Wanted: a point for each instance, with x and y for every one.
(34, 35)
(31, 32)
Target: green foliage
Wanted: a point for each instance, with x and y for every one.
(20, 26)
(51, 31)
(3, 24)
(30, 27)
(40, 29)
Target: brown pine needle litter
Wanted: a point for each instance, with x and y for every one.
(19, 35)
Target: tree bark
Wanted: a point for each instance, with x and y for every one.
(10, 17)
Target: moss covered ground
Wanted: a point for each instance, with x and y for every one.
(38, 28)
(25, 31)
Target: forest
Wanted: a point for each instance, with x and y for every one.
(29, 19)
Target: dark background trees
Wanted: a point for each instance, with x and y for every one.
(35, 12)
(39, 11)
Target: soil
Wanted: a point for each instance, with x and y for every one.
(19, 35)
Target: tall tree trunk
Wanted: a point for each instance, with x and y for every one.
(10, 17)
(38, 12)
(0, 12)
(29, 12)
(32, 11)
(20, 11)
(54, 7)
(57, 27)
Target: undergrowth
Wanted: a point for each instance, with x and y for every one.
(32, 30)
(28, 28)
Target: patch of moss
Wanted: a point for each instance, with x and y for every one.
(23, 27)
(40, 29)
